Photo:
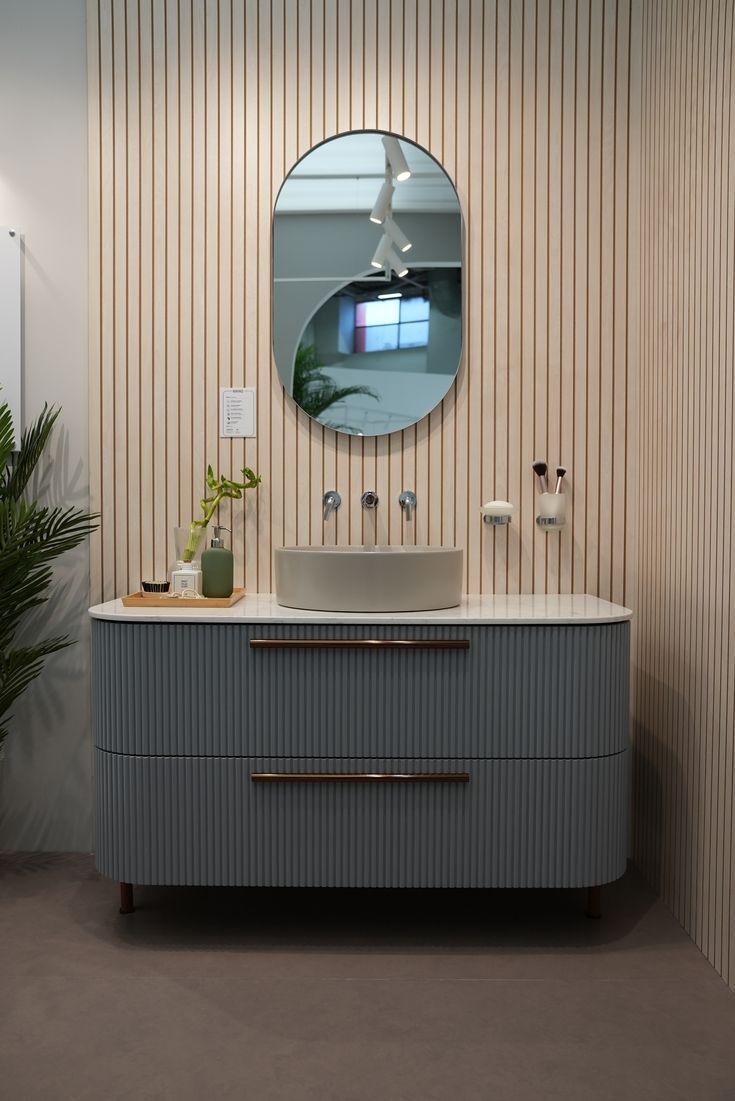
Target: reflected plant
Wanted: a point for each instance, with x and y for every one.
(314, 391)
(219, 489)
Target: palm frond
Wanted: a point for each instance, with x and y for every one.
(7, 440)
(18, 668)
(313, 390)
(32, 444)
(32, 536)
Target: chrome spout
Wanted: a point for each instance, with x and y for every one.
(407, 501)
(331, 502)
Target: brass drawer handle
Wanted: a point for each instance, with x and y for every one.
(360, 777)
(360, 643)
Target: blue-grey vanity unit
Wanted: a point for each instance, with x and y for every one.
(481, 746)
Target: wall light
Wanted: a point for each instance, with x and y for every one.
(394, 153)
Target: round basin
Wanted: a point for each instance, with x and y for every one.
(368, 579)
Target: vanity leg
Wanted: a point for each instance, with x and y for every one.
(594, 902)
(126, 898)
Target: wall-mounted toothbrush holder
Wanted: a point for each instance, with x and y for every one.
(550, 522)
(552, 511)
(496, 513)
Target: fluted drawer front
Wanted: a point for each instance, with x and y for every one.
(513, 691)
(514, 824)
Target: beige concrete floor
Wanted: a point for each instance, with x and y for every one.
(349, 995)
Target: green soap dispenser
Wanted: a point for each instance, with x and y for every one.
(217, 567)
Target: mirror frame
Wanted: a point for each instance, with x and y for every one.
(463, 258)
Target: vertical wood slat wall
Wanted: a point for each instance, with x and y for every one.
(685, 706)
(197, 111)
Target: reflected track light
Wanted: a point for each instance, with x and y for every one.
(395, 156)
(400, 240)
(382, 252)
(382, 203)
(397, 263)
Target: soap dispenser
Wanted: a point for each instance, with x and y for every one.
(217, 567)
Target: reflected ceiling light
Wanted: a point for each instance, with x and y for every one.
(393, 294)
(394, 153)
(397, 263)
(382, 203)
(382, 252)
(399, 237)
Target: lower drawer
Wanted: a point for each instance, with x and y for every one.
(513, 823)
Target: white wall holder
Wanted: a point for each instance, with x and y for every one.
(496, 513)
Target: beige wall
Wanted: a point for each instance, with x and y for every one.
(199, 110)
(685, 714)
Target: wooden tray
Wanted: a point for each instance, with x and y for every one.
(163, 600)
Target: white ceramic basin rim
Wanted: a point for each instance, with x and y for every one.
(369, 579)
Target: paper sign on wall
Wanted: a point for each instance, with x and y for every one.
(237, 412)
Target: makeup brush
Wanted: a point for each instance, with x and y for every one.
(540, 469)
(560, 472)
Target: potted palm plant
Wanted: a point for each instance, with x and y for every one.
(32, 536)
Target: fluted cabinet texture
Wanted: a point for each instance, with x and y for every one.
(553, 691)
(197, 820)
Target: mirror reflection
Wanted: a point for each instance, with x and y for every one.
(367, 283)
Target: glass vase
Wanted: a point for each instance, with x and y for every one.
(189, 542)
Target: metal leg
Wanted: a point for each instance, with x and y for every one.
(594, 902)
(126, 898)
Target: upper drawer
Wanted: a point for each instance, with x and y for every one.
(514, 691)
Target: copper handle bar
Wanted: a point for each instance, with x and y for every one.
(360, 643)
(360, 777)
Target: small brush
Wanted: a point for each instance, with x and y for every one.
(540, 469)
(560, 472)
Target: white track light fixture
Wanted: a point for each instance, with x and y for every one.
(393, 238)
(400, 240)
(382, 203)
(382, 252)
(394, 153)
(397, 263)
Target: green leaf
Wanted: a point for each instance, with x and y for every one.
(32, 444)
(7, 437)
(32, 537)
(313, 390)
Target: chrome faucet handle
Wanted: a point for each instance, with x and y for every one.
(407, 501)
(369, 499)
(331, 501)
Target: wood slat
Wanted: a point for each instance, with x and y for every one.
(199, 111)
(685, 710)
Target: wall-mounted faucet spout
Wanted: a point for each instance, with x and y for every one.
(369, 499)
(331, 502)
(407, 501)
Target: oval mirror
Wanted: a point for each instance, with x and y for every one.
(367, 283)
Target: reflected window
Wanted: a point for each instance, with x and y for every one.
(384, 325)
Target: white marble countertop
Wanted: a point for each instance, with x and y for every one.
(474, 609)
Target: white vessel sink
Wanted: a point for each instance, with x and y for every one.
(368, 579)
